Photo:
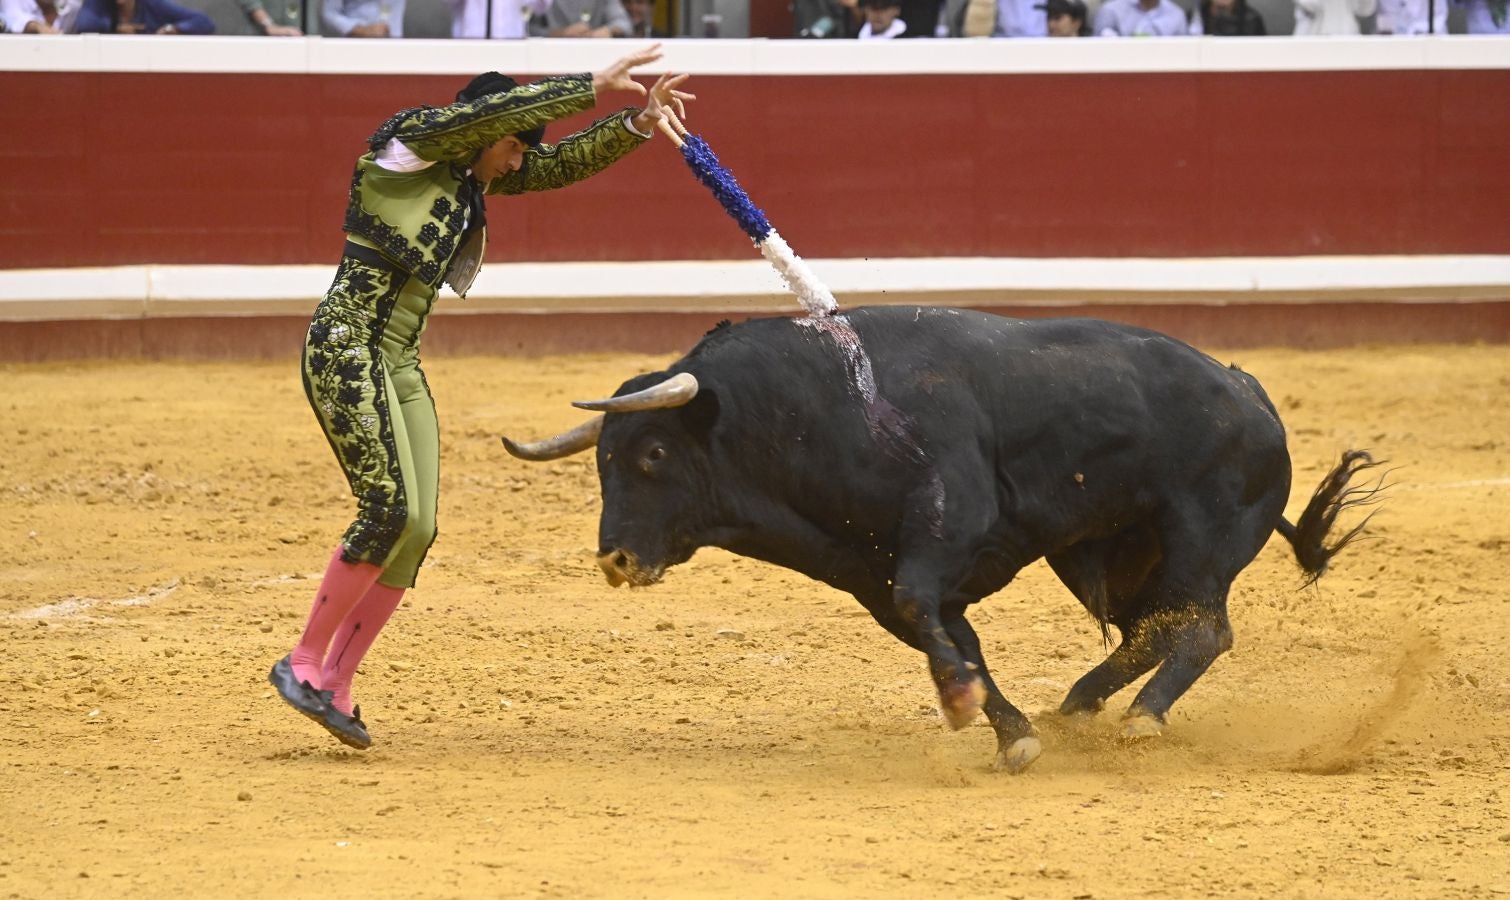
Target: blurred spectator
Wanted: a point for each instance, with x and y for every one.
(1143, 18)
(825, 18)
(1227, 18)
(582, 18)
(1332, 17)
(970, 18)
(883, 20)
(996, 18)
(1066, 18)
(469, 18)
(924, 18)
(286, 24)
(362, 18)
(642, 19)
(1409, 17)
(1020, 18)
(1486, 16)
(40, 16)
(142, 17)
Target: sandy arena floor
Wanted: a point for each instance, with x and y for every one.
(541, 734)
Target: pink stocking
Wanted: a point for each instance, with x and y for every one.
(343, 585)
(354, 638)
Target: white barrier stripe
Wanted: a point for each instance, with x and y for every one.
(752, 285)
(327, 56)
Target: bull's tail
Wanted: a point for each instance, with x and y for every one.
(1309, 535)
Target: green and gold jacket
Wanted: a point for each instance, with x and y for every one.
(430, 221)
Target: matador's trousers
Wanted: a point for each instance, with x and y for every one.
(363, 379)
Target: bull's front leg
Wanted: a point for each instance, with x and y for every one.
(961, 689)
(1017, 744)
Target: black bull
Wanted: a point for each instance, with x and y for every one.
(919, 458)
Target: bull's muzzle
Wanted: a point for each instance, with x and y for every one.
(623, 567)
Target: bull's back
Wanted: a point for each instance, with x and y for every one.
(1030, 388)
(1038, 362)
(1058, 388)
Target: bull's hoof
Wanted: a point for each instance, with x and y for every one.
(1081, 709)
(1079, 715)
(1141, 726)
(1016, 758)
(961, 702)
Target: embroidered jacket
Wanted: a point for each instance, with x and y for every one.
(430, 221)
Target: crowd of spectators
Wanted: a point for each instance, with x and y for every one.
(860, 19)
(116, 16)
(885, 19)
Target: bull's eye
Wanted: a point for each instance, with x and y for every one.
(653, 457)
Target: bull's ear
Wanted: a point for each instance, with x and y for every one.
(701, 413)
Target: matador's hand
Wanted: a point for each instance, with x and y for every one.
(664, 97)
(616, 77)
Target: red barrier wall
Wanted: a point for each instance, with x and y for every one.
(102, 168)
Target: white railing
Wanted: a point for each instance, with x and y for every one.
(751, 286)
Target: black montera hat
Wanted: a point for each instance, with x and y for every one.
(494, 83)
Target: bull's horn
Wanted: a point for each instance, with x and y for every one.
(677, 390)
(574, 441)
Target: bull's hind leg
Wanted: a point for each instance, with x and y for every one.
(1185, 606)
(1139, 651)
(1017, 744)
(1195, 636)
(1185, 601)
(1108, 575)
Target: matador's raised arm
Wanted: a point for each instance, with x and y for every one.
(577, 156)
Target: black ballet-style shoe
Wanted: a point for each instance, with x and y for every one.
(349, 730)
(301, 695)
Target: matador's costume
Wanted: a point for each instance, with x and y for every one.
(415, 220)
